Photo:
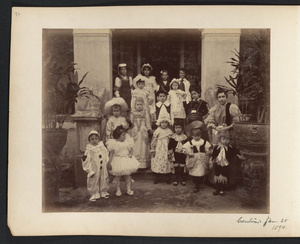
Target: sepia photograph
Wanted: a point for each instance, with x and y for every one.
(159, 121)
(156, 120)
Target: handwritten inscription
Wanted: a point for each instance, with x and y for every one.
(274, 224)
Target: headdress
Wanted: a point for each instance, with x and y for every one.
(195, 125)
(93, 132)
(178, 121)
(146, 66)
(163, 117)
(174, 81)
(122, 65)
(115, 101)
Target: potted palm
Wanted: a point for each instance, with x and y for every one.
(250, 81)
(62, 88)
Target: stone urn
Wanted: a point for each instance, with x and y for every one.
(53, 141)
(253, 141)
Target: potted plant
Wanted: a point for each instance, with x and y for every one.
(62, 88)
(250, 81)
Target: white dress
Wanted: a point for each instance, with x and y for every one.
(151, 86)
(95, 165)
(112, 124)
(187, 85)
(145, 95)
(161, 163)
(177, 108)
(197, 160)
(141, 125)
(121, 163)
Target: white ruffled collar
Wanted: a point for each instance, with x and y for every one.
(181, 137)
(198, 143)
(159, 104)
(96, 148)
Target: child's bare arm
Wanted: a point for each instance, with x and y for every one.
(111, 154)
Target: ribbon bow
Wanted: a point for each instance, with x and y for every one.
(221, 158)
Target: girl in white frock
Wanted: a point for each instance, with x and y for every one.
(161, 163)
(121, 159)
(94, 163)
(150, 84)
(141, 128)
(177, 98)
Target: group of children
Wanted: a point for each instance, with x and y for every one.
(158, 126)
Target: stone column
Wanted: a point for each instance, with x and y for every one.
(92, 54)
(217, 47)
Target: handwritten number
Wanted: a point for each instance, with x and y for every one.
(17, 14)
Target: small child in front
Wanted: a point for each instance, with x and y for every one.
(121, 161)
(197, 151)
(94, 162)
(175, 147)
(160, 163)
(224, 156)
(114, 109)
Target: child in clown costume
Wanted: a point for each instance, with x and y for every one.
(94, 162)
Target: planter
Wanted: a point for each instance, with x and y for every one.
(53, 141)
(253, 141)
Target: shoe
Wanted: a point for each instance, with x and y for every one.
(168, 181)
(92, 199)
(118, 193)
(183, 183)
(104, 194)
(216, 193)
(175, 183)
(130, 192)
(221, 193)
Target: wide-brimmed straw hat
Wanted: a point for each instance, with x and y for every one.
(115, 101)
(195, 125)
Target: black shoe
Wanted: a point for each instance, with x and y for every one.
(183, 183)
(216, 193)
(168, 181)
(175, 183)
(221, 193)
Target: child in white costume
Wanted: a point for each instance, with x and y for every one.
(198, 153)
(121, 160)
(95, 164)
(184, 85)
(150, 84)
(177, 98)
(144, 93)
(141, 128)
(114, 109)
(160, 162)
